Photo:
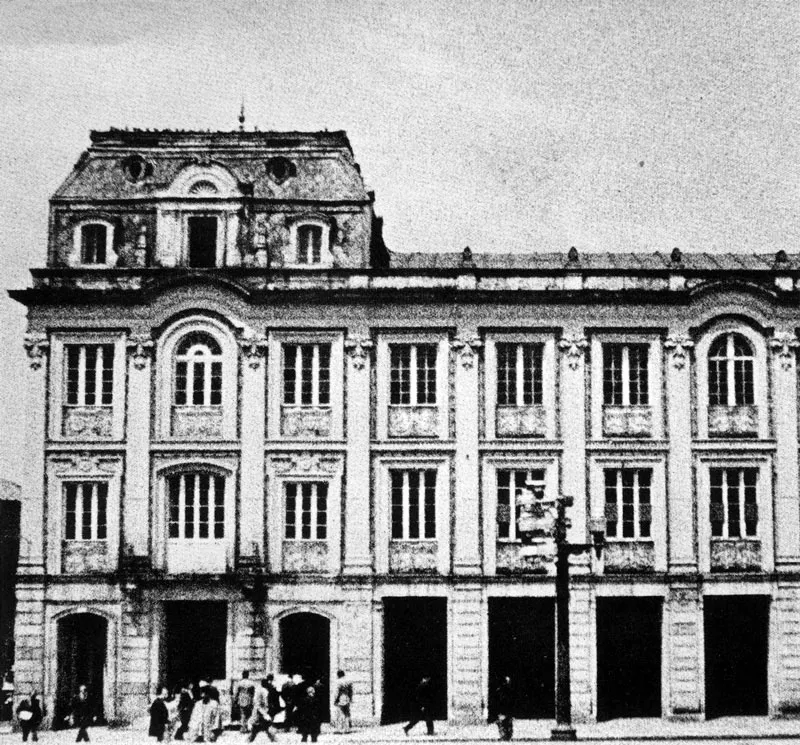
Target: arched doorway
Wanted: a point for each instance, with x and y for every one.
(81, 659)
(306, 650)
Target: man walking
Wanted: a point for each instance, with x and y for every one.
(244, 699)
(504, 697)
(342, 702)
(423, 700)
(82, 713)
(261, 720)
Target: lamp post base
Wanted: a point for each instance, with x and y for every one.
(563, 733)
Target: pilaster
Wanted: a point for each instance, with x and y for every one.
(355, 649)
(466, 650)
(582, 643)
(684, 653)
(784, 673)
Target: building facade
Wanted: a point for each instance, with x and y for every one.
(256, 439)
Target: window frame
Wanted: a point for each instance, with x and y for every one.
(418, 374)
(731, 372)
(99, 374)
(319, 491)
(629, 382)
(726, 488)
(213, 504)
(316, 369)
(619, 504)
(210, 364)
(97, 488)
(536, 475)
(425, 482)
(77, 238)
(292, 256)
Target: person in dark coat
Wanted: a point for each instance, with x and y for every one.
(423, 706)
(82, 714)
(185, 706)
(504, 698)
(309, 715)
(288, 690)
(273, 697)
(159, 715)
(29, 714)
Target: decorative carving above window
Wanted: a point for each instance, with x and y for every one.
(573, 347)
(467, 349)
(37, 346)
(679, 345)
(358, 348)
(203, 188)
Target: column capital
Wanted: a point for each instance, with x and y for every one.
(783, 346)
(573, 347)
(140, 347)
(358, 347)
(679, 345)
(37, 347)
(253, 347)
(467, 348)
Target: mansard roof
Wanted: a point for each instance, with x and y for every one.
(325, 168)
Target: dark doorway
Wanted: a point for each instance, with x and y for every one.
(306, 650)
(414, 645)
(9, 557)
(628, 657)
(81, 660)
(195, 641)
(522, 646)
(736, 632)
(202, 241)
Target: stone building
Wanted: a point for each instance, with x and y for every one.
(258, 439)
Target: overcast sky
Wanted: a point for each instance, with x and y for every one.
(514, 126)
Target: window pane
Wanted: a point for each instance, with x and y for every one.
(70, 499)
(324, 393)
(108, 374)
(400, 374)
(291, 507)
(717, 382)
(93, 244)
(503, 504)
(102, 502)
(426, 374)
(637, 360)
(305, 502)
(86, 513)
(743, 379)
(188, 522)
(73, 372)
(289, 373)
(90, 379)
(430, 504)
(396, 478)
(612, 374)
(306, 372)
(180, 384)
(216, 384)
(202, 505)
(506, 375)
(413, 504)
(174, 506)
(532, 374)
(219, 507)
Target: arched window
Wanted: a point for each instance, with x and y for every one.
(94, 237)
(198, 371)
(730, 371)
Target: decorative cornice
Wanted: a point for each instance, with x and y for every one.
(783, 345)
(253, 347)
(680, 346)
(573, 347)
(358, 347)
(37, 346)
(141, 348)
(467, 349)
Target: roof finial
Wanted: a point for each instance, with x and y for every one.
(241, 116)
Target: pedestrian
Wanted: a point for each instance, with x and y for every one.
(245, 691)
(261, 720)
(288, 696)
(159, 715)
(423, 700)
(273, 698)
(309, 715)
(342, 702)
(82, 716)
(208, 721)
(29, 714)
(504, 705)
(185, 706)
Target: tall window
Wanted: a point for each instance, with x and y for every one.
(202, 242)
(198, 371)
(413, 504)
(509, 484)
(733, 502)
(93, 244)
(85, 507)
(519, 374)
(628, 509)
(309, 244)
(196, 506)
(730, 371)
(306, 511)
(412, 374)
(307, 374)
(90, 374)
(625, 374)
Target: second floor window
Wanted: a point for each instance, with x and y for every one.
(202, 241)
(733, 504)
(625, 375)
(309, 244)
(628, 508)
(196, 506)
(413, 496)
(730, 371)
(306, 516)
(519, 374)
(509, 483)
(412, 374)
(90, 374)
(93, 244)
(85, 507)
(306, 374)
(198, 372)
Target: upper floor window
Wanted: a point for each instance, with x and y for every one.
(196, 506)
(198, 371)
(307, 374)
(519, 374)
(90, 374)
(730, 371)
(510, 482)
(85, 508)
(733, 502)
(309, 244)
(625, 378)
(628, 507)
(413, 500)
(93, 243)
(412, 374)
(202, 241)
(306, 516)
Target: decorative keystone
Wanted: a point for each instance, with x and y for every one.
(141, 348)
(357, 347)
(37, 346)
(467, 349)
(573, 347)
(783, 345)
(253, 347)
(680, 346)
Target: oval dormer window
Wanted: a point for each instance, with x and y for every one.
(203, 189)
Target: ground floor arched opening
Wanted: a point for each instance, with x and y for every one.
(305, 644)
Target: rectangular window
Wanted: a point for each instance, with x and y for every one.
(628, 507)
(412, 379)
(93, 244)
(413, 502)
(196, 506)
(309, 248)
(306, 515)
(733, 502)
(511, 482)
(307, 374)
(519, 374)
(202, 242)
(625, 377)
(90, 374)
(85, 507)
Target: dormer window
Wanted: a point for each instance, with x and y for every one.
(309, 244)
(202, 241)
(93, 243)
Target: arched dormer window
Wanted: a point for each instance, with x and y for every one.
(198, 371)
(310, 242)
(93, 243)
(730, 371)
